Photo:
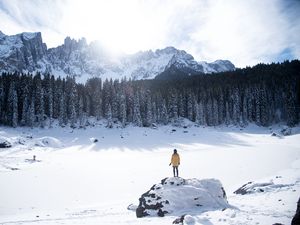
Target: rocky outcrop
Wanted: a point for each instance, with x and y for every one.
(176, 195)
(5, 144)
(256, 187)
(21, 52)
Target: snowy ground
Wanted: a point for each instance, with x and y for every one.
(77, 181)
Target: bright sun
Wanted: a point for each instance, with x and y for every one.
(124, 26)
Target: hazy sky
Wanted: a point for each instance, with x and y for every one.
(244, 31)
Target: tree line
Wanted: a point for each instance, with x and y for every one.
(263, 94)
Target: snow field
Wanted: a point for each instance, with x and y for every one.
(77, 181)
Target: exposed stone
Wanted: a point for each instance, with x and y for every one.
(5, 144)
(179, 220)
(296, 218)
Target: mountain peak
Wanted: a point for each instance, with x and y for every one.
(26, 52)
(168, 50)
(31, 35)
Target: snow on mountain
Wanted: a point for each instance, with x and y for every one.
(21, 52)
(26, 52)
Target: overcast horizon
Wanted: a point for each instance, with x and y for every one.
(246, 33)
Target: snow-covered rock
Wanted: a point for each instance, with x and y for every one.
(5, 142)
(93, 140)
(184, 219)
(286, 131)
(48, 142)
(274, 134)
(176, 195)
(26, 52)
(258, 187)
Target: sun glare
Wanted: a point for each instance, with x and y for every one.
(121, 26)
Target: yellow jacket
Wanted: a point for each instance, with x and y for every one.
(175, 160)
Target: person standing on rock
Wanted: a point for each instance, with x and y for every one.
(175, 162)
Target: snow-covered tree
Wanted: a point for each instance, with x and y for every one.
(148, 110)
(164, 117)
(30, 115)
(109, 117)
(12, 106)
(62, 111)
(2, 98)
(39, 101)
(137, 119)
(190, 106)
(173, 108)
(123, 114)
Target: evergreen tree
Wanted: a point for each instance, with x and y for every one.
(173, 109)
(62, 111)
(109, 117)
(209, 112)
(215, 112)
(137, 119)
(2, 102)
(81, 114)
(30, 115)
(291, 108)
(235, 99)
(181, 108)
(39, 101)
(190, 106)
(201, 115)
(13, 106)
(25, 108)
(264, 114)
(164, 118)
(245, 108)
(47, 88)
(123, 110)
(257, 105)
(154, 112)
(227, 114)
(149, 117)
(221, 107)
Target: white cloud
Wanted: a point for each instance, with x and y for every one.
(245, 32)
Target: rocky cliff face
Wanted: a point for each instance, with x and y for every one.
(26, 52)
(21, 52)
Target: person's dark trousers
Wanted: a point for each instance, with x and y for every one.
(175, 171)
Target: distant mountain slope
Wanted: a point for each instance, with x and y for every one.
(26, 52)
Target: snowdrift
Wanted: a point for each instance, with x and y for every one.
(48, 142)
(176, 196)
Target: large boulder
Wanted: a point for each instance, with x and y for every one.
(177, 196)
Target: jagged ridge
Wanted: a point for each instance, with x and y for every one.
(26, 52)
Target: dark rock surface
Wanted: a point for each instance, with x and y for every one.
(5, 144)
(296, 218)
